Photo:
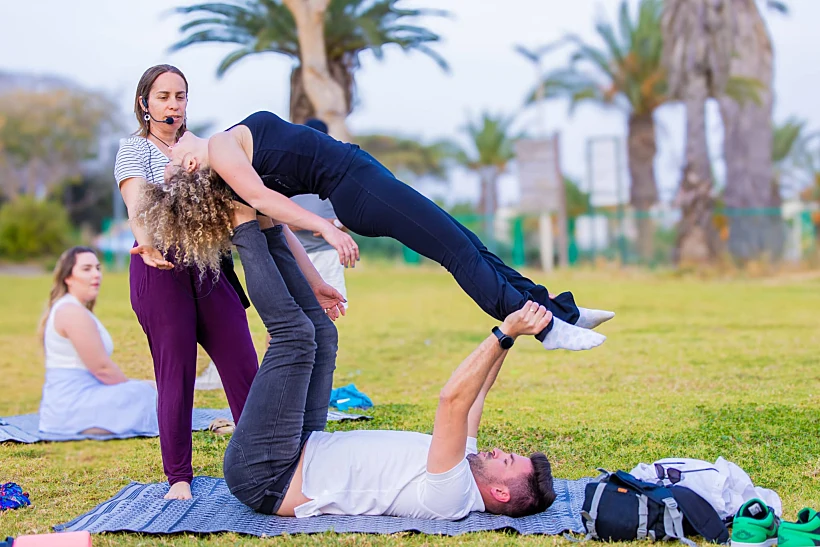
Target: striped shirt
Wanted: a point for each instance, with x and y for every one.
(139, 157)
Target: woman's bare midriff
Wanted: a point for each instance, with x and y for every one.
(294, 496)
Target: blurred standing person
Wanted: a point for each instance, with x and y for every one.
(321, 253)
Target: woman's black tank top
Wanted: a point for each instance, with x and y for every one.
(296, 159)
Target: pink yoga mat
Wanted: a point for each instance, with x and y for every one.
(65, 539)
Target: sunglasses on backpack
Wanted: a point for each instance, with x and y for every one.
(675, 475)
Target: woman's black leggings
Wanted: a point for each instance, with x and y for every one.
(370, 201)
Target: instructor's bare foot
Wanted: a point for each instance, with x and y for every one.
(179, 491)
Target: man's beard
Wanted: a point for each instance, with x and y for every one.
(479, 467)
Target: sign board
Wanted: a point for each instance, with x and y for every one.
(605, 184)
(539, 175)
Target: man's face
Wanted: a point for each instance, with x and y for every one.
(498, 467)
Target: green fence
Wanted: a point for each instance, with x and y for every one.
(620, 236)
(789, 234)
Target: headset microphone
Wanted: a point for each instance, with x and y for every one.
(168, 119)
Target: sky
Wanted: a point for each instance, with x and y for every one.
(105, 45)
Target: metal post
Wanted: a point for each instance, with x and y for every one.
(590, 187)
(545, 240)
(619, 186)
(563, 243)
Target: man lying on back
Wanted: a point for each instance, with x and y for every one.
(400, 473)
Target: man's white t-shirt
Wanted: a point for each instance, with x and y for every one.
(383, 473)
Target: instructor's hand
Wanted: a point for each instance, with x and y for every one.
(531, 319)
(347, 248)
(152, 257)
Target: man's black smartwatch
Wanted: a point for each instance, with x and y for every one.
(506, 342)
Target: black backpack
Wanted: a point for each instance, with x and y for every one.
(620, 507)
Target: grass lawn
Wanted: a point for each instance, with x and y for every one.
(691, 368)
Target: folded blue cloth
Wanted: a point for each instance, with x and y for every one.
(347, 397)
(12, 497)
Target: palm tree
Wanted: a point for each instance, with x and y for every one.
(350, 28)
(748, 137)
(697, 55)
(798, 174)
(788, 144)
(492, 147)
(626, 73)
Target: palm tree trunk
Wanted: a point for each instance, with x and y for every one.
(327, 96)
(753, 229)
(641, 150)
(488, 199)
(697, 240)
(301, 109)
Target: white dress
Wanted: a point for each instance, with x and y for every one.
(75, 400)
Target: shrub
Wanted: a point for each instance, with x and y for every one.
(30, 228)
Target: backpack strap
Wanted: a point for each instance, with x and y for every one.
(593, 510)
(672, 519)
(673, 522)
(643, 516)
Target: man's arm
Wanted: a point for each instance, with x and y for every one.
(462, 390)
(474, 417)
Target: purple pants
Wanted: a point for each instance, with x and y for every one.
(177, 310)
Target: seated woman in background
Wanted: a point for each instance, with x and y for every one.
(85, 391)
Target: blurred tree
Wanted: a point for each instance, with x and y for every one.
(490, 151)
(800, 173)
(46, 137)
(787, 140)
(721, 49)
(331, 36)
(89, 200)
(756, 227)
(31, 228)
(697, 55)
(410, 158)
(626, 73)
(577, 200)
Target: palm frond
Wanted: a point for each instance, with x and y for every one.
(209, 36)
(595, 56)
(351, 27)
(743, 89)
(231, 59)
(784, 138)
(616, 51)
(778, 6)
(627, 29)
(491, 140)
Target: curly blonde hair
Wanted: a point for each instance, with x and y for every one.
(189, 216)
